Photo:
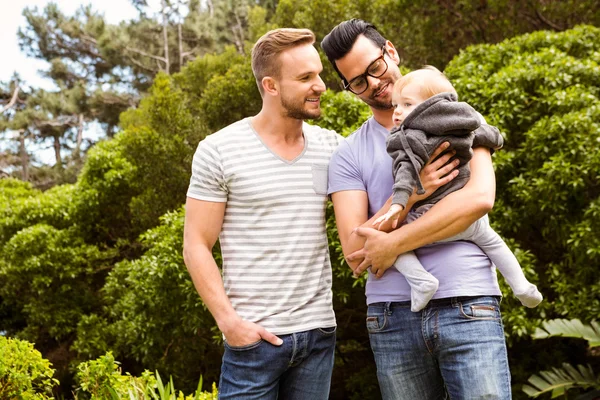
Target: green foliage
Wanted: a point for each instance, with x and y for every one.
(103, 379)
(570, 328)
(165, 109)
(48, 277)
(194, 78)
(542, 90)
(230, 97)
(154, 314)
(24, 374)
(104, 192)
(161, 176)
(22, 206)
(129, 182)
(559, 380)
(342, 112)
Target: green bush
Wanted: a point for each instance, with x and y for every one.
(342, 112)
(153, 314)
(22, 206)
(24, 374)
(49, 278)
(543, 91)
(102, 379)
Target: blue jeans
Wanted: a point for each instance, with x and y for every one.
(299, 369)
(454, 348)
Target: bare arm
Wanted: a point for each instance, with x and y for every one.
(351, 206)
(203, 222)
(452, 215)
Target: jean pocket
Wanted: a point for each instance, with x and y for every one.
(319, 178)
(245, 347)
(376, 323)
(480, 311)
(327, 331)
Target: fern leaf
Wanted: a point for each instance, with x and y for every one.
(570, 328)
(559, 380)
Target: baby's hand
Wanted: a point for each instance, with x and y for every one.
(392, 215)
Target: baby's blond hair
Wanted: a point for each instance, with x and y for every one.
(431, 80)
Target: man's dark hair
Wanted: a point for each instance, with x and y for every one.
(340, 40)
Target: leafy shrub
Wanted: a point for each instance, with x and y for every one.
(102, 379)
(24, 374)
(48, 277)
(153, 312)
(543, 92)
(342, 112)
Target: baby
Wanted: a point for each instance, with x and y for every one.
(427, 114)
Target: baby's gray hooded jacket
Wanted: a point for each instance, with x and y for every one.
(438, 119)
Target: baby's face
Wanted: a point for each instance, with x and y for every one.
(405, 101)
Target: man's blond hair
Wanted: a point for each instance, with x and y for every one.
(266, 51)
(430, 79)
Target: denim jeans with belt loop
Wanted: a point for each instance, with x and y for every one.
(454, 348)
(299, 369)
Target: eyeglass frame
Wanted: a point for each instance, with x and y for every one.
(364, 75)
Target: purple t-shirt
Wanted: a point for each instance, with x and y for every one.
(361, 162)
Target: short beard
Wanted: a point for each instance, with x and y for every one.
(379, 104)
(293, 110)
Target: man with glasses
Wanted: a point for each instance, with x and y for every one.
(376, 69)
(455, 346)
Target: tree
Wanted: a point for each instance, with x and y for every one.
(100, 69)
(12, 100)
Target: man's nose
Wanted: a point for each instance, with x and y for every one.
(319, 85)
(373, 82)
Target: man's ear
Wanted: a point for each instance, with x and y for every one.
(270, 86)
(392, 52)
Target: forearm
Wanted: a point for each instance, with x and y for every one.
(207, 280)
(355, 242)
(455, 212)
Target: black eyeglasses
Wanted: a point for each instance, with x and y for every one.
(376, 69)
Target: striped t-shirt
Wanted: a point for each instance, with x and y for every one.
(276, 268)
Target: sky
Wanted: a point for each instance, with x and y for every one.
(11, 19)
(13, 59)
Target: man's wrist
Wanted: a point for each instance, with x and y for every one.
(228, 322)
(395, 240)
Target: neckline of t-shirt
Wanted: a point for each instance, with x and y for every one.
(289, 162)
(379, 126)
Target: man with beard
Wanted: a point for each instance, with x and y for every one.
(455, 346)
(260, 185)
